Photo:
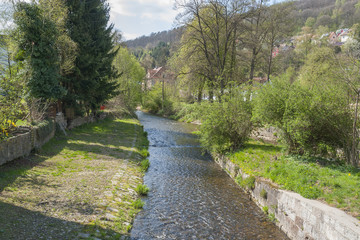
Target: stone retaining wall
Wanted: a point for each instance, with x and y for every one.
(298, 217)
(23, 144)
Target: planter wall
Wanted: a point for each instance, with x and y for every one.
(23, 144)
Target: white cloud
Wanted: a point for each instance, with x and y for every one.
(142, 16)
(129, 36)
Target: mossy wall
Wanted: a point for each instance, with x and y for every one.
(22, 145)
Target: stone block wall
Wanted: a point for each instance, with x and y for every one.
(23, 144)
(298, 217)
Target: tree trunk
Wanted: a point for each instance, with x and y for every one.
(200, 92)
(252, 66)
(354, 153)
(270, 63)
(163, 95)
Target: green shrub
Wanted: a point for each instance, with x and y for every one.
(153, 101)
(248, 183)
(144, 153)
(142, 190)
(145, 164)
(138, 204)
(312, 120)
(265, 209)
(226, 126)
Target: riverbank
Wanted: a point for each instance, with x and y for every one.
(298, 217)
(77, 186)
(325, 180)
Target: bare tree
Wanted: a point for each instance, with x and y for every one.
(279, 25)
(211, 33)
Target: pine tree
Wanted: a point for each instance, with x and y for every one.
(92, 82)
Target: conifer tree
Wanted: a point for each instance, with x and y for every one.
(92, 82)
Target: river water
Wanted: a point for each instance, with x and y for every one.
(190, 196)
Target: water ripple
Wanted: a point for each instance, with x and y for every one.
(191, 197)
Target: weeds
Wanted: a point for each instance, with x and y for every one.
(145, 164)
(138, 204)
(142, 190)
(263, 194)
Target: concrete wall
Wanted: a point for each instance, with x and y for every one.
(298, 217)
(23, 144)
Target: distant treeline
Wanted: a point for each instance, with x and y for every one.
(154, 39)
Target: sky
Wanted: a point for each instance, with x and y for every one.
(135, 18)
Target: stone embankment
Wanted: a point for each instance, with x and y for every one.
(22, 144)
(298, 217)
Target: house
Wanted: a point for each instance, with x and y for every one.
(339, 37)
(157, 75)
(333, 38)
(344, 37)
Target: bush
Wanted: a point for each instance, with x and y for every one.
(226, 126)
(138, 204)
(312, 120)
(145, 164)
(153, 102)
(12, 105)
(190, 112)
(142, 190)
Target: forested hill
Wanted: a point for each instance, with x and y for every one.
(331, 13)
(170, 36)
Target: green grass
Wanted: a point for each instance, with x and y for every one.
(145, 164)
(142, 190)
(138, 204)
(76, 170)
(314, 178)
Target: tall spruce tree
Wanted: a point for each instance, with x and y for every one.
(92, 81)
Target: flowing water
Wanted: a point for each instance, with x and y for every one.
(190, 196)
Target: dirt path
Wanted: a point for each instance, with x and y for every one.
(77, 187)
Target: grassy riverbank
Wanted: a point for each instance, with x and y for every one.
(78, 186)
(333, 182)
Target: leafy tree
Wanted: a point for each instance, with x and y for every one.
(313, 113)
(161, 53)
(57, 11)
(310, 22)
(131, 77)
(92, 82)
(36, 40)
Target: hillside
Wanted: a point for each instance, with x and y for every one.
(170, 36)
(331, 13)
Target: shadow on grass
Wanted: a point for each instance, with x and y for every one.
(101, 134)
(20, 223)
(333, 164)
(262, 147)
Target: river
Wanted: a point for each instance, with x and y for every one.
(190, 196)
